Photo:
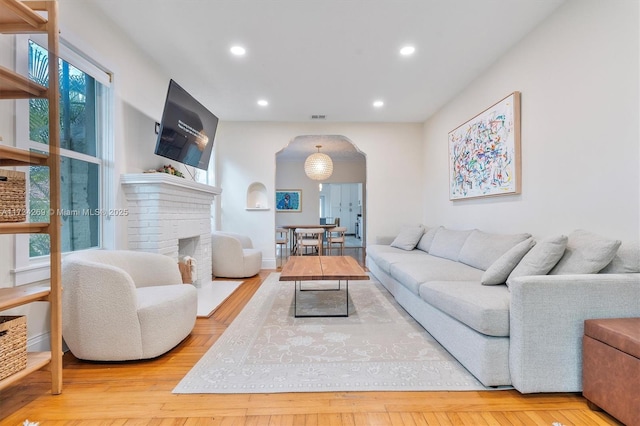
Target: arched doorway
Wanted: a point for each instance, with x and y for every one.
(341, 196)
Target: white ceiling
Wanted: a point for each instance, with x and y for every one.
(332, 57)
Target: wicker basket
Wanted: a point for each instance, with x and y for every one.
(13, 345)
(12, 196)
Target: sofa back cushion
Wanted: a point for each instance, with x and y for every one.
(427, 239)
(626, 260)
(541, 258)
(408, 237)
(482, 249)
(499, 270)
(447, 243)
(586, 253)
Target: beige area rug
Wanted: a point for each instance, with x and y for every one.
(212, 294)
(379, 347)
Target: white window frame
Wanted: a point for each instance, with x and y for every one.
(30, 270)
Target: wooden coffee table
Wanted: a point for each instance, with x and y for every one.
(316, 268)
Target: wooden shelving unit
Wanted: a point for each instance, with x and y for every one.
(24, 17)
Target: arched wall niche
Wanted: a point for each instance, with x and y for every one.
(257, 197)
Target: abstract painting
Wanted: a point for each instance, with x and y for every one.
(289, 200)
(484, 152)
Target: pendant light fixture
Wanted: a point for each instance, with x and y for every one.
(318, 166)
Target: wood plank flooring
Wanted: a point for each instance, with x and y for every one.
(139, 393)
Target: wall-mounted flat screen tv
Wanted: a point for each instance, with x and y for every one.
(187, 129)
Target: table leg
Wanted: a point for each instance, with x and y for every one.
(298, 287)
(346, 297)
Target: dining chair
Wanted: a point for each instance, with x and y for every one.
(309, 237)
(282, 241)
(336, 237)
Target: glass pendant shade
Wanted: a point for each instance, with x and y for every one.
(318, 166)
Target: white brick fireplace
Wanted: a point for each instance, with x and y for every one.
(171, 216)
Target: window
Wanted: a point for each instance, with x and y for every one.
(84, 124)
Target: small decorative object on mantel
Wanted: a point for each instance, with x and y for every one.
(169, 169)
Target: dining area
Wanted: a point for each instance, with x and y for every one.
(317, 239)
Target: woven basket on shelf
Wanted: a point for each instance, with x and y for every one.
(13, 345)
(12, 196)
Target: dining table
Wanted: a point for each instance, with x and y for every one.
(292, 231)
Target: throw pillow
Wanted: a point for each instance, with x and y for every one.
(586, 253)
(626, 260)
(541, 258)
(408, 237)
(482, 249)
(447, 243)
(499, 271)
(425, 241)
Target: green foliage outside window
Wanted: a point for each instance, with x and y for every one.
(79, 179)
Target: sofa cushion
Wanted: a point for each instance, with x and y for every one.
(427, 239)
(485, 309)
(626, 260)
(586, 253)
(413, 272)
(447, 243)
(482, 249)
(499, 271)
(541, 258)
(385, 256)
(408, 237)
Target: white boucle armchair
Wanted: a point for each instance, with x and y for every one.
(233, 256)
(124, 305)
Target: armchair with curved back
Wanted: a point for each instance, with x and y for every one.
(122, 305)
(233, 255)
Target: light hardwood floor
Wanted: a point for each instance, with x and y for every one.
(139, 393)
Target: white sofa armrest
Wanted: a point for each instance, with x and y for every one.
(547, 316)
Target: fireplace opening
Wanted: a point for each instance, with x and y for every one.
(189, 249)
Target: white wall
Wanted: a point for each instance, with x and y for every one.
(578, 74)
(246, 153)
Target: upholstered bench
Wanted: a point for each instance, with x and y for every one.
(611, 367)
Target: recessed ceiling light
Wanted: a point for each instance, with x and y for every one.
(378, 104)
(407, 50)
(238, 50)
(263, 102)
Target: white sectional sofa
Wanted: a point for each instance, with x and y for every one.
(510, 308)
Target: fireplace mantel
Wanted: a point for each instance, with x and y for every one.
(167, 179)
(172, 216)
